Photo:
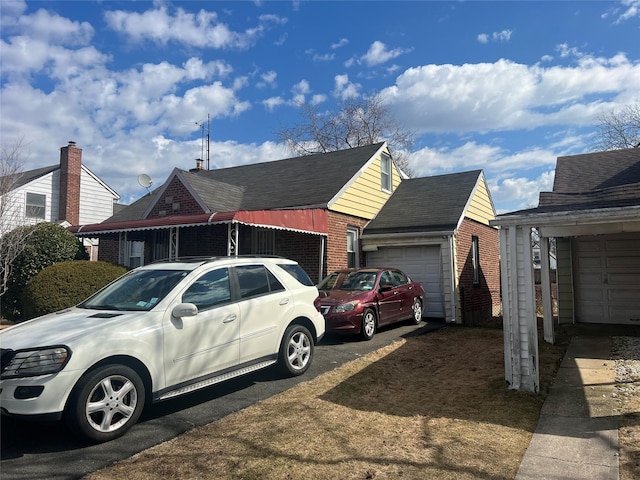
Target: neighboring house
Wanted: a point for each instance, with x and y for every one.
(437, 230)
(311, 209)
(593, 213)
(68, 192)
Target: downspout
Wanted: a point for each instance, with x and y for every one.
(454, 278)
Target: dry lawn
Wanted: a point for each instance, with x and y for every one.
(431, 406)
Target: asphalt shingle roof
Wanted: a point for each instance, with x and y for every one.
(596, 171)
(592, 181)
(23, 178)
(294, 182)
(311, 180)
(428, 204)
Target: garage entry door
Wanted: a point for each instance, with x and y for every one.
(422, 264)
(607, 278)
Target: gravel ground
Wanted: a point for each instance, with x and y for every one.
(626, 353)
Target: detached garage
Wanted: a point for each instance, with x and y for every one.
(437, 230)
(593, 213)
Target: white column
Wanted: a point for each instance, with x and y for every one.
(545, 284)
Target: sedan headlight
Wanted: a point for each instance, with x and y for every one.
(36, 361)
(346, 307)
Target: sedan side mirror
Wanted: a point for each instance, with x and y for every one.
(184, 310)
(386, 288)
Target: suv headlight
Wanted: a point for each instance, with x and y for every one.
(36, 361)
(346, 307)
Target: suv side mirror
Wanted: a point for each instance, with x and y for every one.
(184, 310)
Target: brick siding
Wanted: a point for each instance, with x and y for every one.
(479, 302)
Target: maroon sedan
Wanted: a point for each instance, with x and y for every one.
(360, 300)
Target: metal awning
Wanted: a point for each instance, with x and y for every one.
(313, 221)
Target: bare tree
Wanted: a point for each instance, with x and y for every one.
(355, 123)
(618, 129)
(12, 233)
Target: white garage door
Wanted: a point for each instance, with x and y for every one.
(422, 264)
(607, 278)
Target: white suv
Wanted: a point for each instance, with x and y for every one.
(157, 332)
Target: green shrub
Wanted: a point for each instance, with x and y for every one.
(45, 244)
(66, 284)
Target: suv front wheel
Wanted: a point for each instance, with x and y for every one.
(106, 403)
(296, 350)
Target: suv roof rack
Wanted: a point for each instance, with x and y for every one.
(204, 259)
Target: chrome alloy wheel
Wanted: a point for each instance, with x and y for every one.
(299, 350)
(111, 403)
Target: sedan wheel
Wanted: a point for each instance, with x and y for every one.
(106, 403)
(417, 311)
(296, 351)
(368, 329)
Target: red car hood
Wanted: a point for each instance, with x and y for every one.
(334, 297)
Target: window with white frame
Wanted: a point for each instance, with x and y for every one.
(385, 166)
(36, 204)
(352, 247)
(475, 257)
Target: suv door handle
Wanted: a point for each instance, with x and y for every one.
(230, 318)
(284, 301)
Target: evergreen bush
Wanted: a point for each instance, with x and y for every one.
(66, 284)
(45, 244)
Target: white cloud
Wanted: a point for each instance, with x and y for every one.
(268, 79)
(340, 43)
(503, 36)
(505, 95)
(202, 29)
(379, 53)
(344, 88)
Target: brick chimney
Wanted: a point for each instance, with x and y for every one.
(70, 168)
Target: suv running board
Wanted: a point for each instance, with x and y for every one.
(216, 379)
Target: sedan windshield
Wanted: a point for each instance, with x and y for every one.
(138, 290)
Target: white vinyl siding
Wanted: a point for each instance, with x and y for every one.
(96, 202)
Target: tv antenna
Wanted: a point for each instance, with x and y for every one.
(145, 181)
(202, 128)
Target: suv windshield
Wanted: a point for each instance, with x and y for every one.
(138, 290)
(352, 281)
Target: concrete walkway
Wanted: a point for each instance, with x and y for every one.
(577, 433)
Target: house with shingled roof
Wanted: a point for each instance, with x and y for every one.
(593, 213)
(312, 209)
(68, 193)
(437, 230)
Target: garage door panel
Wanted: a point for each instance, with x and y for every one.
(607, 278)
(423, 265)
(623, 261)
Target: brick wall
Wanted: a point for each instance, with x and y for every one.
(176, 200)
(336, 249)
(108, 251)
(70, 170)
(480, 302)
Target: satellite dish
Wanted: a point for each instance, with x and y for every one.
(144, 180)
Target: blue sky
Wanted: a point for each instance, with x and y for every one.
(506, 87)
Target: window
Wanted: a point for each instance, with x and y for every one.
(36, 205)
(386, 172)
(399, 277)
(209, 290)
(352, 247)
(386, 279)
(263, 241)
(297, 272)
(475, 258)
(256, 280)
